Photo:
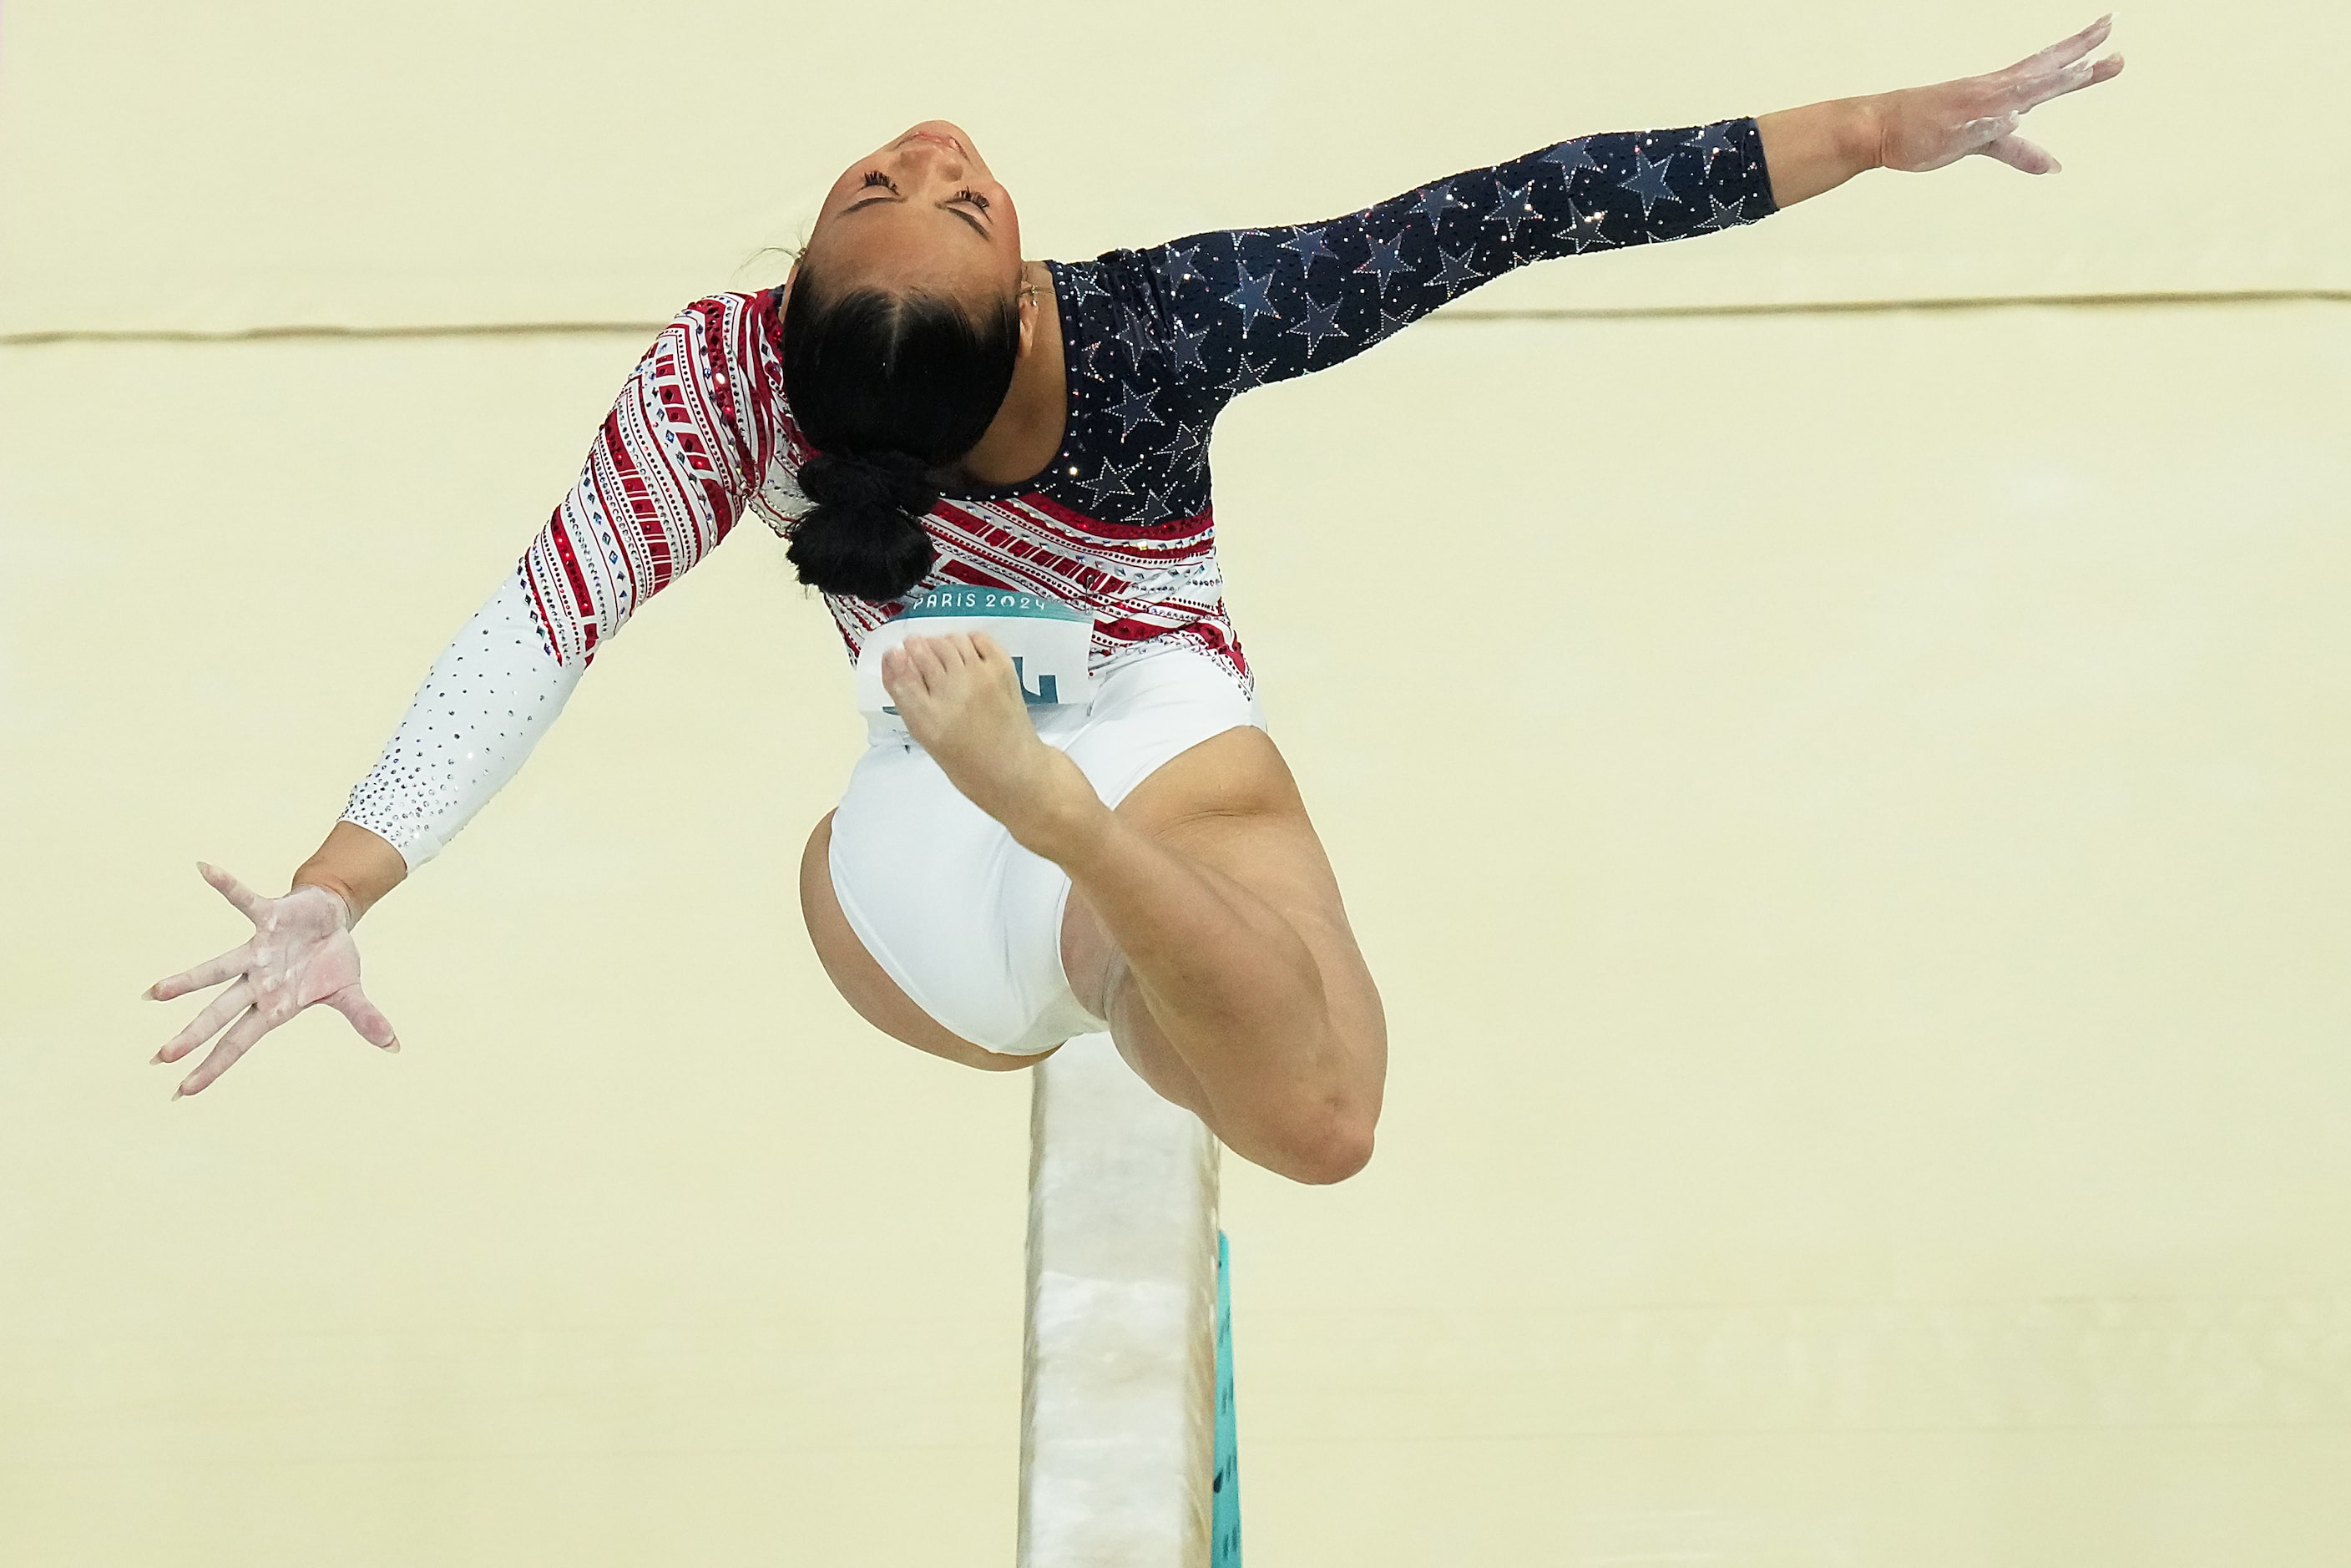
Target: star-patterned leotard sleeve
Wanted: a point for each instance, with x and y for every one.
(1239, 309)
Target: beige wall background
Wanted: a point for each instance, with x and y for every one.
(1856, 864)
(275, 162)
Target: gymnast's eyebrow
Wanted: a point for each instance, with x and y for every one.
(943, 206)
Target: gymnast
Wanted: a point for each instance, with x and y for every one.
(976, 459)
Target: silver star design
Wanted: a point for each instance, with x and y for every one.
(1181, 264)
(1648, 182)
(1573, 155)
(1512, 208)
(1245, 376)
(1457, 269)
(1308, 244)
(1184, 342)
(1723, 217)
(1321, 321)
(1135, 332)
(1582, 231)
(1390, 326)
(1085, 286)
(1434, 203)
(1251, 297)
(1136, 409)
(1386, 260)
(1711, 139)
(1190, 440)
(1111, 481)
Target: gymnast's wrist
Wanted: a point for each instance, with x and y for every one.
(355, 865)
(1819, 147)
(351, 906)
(1862, 131)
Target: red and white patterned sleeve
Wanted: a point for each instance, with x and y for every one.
(670, 468)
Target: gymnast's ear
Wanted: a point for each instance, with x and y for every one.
(1029, 309)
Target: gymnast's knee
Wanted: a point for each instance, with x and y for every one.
(1326, 1150)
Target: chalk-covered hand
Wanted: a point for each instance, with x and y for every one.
(1925, 128)
(301, 953)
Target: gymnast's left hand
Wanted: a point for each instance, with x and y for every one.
(1925, 128)
(300, 954)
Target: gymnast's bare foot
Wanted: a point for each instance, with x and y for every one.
(961, 701)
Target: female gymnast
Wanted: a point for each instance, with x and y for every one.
(1010, 457)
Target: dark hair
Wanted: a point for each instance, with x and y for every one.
(889, 389)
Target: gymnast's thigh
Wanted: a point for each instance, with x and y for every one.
(1231, 803)
(861, 981)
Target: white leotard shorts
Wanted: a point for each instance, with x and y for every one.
(968, 922)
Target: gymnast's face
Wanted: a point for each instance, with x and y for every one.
(922, 210)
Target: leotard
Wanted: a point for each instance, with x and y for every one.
(1156, 342)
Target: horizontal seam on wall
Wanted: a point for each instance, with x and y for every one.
(1448, 313)
(1875, 307)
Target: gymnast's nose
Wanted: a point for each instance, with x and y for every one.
(932, 149)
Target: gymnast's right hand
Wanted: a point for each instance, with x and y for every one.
(1926, 128)
(301, 953)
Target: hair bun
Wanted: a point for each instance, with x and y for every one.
(869, 482)
(864, 535)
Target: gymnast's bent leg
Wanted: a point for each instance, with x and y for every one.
(1205, 923)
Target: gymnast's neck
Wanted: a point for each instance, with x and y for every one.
(1027, 430)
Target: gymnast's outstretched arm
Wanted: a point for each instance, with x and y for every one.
(1238, 308)
(665, 480)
